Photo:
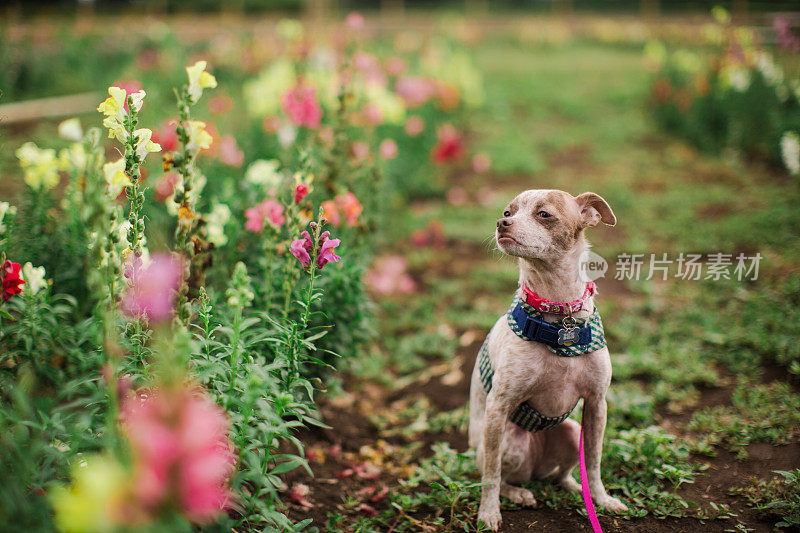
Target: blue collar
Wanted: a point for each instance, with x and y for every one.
(554, 334)
(562, 338)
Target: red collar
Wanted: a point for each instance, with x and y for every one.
(558, 308)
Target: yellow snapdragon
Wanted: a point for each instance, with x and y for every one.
(71, 130)
(113, 108)
(91, 503)
(40, 167)
(199, 79)
(116, 178)
(144, 143)
(199, 138)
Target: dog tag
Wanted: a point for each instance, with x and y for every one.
(568, 334)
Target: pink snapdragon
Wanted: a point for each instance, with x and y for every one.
(181, 452)
(152, 290)
(270, 210)
(301, 190)
(301, 105)
(303, 248)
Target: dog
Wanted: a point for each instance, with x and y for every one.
(544, 230)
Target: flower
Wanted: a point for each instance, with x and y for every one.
(350, 207)
(240, 290)
(264, 173)
(303, 247)
(165, 186)
(360, 150)
(331, 212)
(215, 224)
(72, 158)
(40, 167)
(181, 451)
(93, 503)
(415, 91)
(199, 79)
(301, 105)
(10, 280)
(5, 208)
(270, 210)
(167, 136)
(152, 289)
(389, 275)
(115, 109)
(790, 152)
(300, 192)
(199, 138)
(388, 149)
(449, 147)
(34, 277)
(144, 144)
(70, 130)
(263, 94)
(229, 152)
(326, 251)
(116, 178)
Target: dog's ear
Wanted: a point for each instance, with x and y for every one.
(594, 209)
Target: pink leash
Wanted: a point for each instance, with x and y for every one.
(587, 498)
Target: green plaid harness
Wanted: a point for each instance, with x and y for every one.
(525, 416)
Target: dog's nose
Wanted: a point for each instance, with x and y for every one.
(504, 223)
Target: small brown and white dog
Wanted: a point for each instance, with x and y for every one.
(544, 229)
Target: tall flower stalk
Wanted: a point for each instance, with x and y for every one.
(193, 138)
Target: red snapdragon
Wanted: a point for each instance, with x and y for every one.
(11, 280)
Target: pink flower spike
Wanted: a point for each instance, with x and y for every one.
(300, 192)
(255, 222)
(326, 254)
(301, 105)
(298, 249)
(152, 290)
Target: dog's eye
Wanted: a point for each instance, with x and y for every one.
(506, 213)
(544, 214)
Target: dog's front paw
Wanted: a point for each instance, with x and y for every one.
(490, 517)
(518, 495)
(612, 504)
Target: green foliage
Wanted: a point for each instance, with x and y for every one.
(777, 497)
(760, 413)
